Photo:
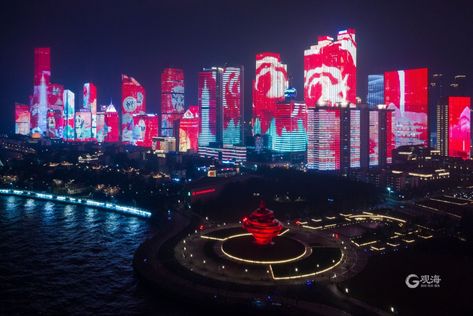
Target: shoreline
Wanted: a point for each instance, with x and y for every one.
(127, 210)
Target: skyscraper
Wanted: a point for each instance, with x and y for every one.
(39, 101)
(268, 89)
(22, 119)
(69, 113)
(330, 70)
(232, 102)
(133, 102)
(375, 90)
(329, 89)
(145, 128)
(90, 105)
(405, 91)
(189, 130)
(112, 124)
(289, 131)
(172, 99)
(453, 127)
(323, 135)
(210, 104)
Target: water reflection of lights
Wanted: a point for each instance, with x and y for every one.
(102, 205)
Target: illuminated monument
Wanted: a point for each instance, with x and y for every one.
(262, 225)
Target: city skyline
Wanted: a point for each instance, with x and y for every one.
(72, 64)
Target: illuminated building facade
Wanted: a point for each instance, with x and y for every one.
(145, 127)
(268, 89)
(55, 124)
(354, 144)
(83, 126)
(232, 102)
(68, 114)
(323, 134)
(39, 100)
(90, 105)
(373, 138)
(330, 70)
(405, 91)
(133, 103)
(210, 104)
(289, 131)
(164, 144)
(375, 90)
(100, 136)
(112, 124)
(22, 119)
(189, 130)
(453, 127)
(172, 99)
(233, 153)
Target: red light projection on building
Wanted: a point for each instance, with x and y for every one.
(90, 105)
(207, 97)
(39, 100)
(290, 134)
(22, 119)
(172, 99)
(133, 102)
(405, 91)
(268, 89)
(262, 225)
(112, 125)
(145, 127)
(330, 70)
(323, 133)
(189, 130)
(373, 138)
(55, 124)
(232, 102)
(459, 127)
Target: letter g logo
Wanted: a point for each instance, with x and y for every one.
(412, 281)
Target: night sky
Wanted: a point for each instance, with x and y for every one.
(97, 41)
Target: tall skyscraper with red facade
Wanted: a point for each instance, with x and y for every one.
(39, 100)
(172, 99)
(133, 102)
(329, 88)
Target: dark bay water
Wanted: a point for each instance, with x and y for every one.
(67, 259)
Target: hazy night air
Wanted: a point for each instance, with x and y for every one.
(137, 139)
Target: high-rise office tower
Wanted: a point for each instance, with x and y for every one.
(133, 102)
(69, 114)
(453, 127)
(270, 83)
(210, 104)
(375, 90)
(405, 91)
(83, 125)
(189, 130)
(323, 136)
(329, 89)
(172, 99)
(22, 119)
(330, 70)
(39, 100)
(145, 128)
(112, 124)
(89, 104)
(289, 131)
(232, 102)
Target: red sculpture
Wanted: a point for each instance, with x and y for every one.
(262, 225)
